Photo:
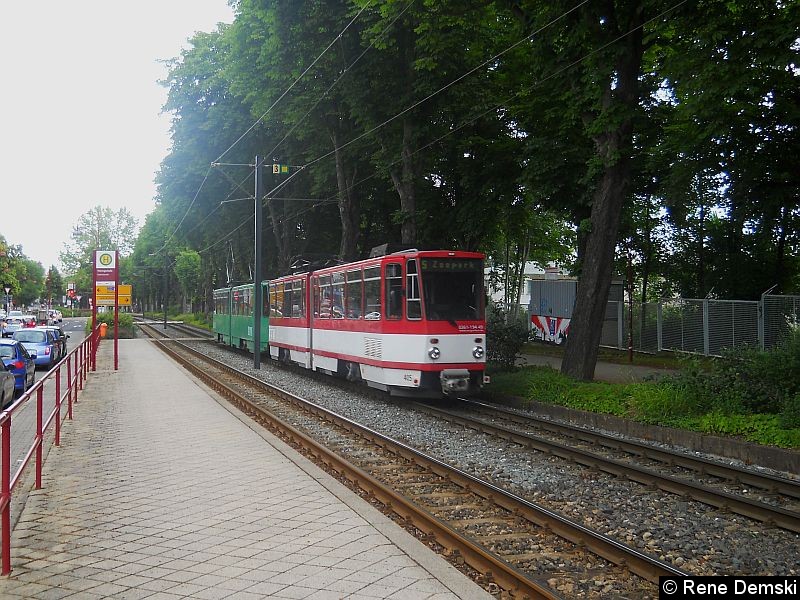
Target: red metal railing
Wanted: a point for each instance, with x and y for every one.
(77, 364)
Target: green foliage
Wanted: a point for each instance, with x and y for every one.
(188, 272)
(196, 319)
(747, 381)
(674, 402)
(125, 324)
(760, 429)
(549, 386)
(505, 337)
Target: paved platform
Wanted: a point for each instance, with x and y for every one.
(160, 490)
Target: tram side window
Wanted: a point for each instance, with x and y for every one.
(372, 293)
(276, 309)
(299, 298)
(287, 299)
(354, 308)
(239, 308)
(322, 298)
(337, 289)
(221, 305)
(248, 302)
(394, 291)
(413, 303)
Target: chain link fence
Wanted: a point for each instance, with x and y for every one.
(705, 326)
(700, 326)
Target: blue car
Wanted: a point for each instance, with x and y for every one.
(17, 360)
(40, 344)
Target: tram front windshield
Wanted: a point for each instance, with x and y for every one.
(452, 288)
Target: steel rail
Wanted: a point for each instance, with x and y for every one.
(753, 509)
(765, 481)
(615, 552)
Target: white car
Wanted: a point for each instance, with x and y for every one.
(13, 324)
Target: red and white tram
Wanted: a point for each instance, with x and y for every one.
(411, 323)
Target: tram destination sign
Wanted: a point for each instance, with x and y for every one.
(451, 265)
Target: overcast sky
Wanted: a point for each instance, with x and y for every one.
(80, 109)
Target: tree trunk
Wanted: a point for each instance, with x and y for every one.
(404, 184)
(349, 212)
(614, 150)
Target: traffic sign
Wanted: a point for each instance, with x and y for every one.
(104, 290)
(278, 168)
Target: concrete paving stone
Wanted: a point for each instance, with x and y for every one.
(324, 595)
(132, 594)
(265, 588)
(242, 595)
(212, 593)
(156, 572)
(235, 585)
(380, 590)
(132, 581)
(165, 596)
(346, 586)
(87, 571)
(364, 577)
(324, 560)
(230, 571)
(186, 589)
(157, 585)
(29, 590)
(180, 576)
(105, 576)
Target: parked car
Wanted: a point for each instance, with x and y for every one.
(17, 359)
(8, 385)
(60, 336)
(40, 341)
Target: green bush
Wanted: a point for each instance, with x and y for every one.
(746, 380)
(125, 324)
(505, 337)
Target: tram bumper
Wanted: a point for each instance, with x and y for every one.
(454, 381)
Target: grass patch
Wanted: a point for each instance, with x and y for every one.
(668, 403)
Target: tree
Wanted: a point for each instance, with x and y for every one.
(99, 229)
(53, 286)
(31, 282)
(187, 270)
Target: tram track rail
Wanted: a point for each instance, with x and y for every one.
(750, 507)
(491, 529)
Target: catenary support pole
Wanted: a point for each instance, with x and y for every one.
(257, 292)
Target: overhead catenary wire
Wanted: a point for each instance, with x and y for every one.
(446, 86)
(346, 70)
(402, 112)
(450, 84)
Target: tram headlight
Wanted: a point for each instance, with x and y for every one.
(478, 352)
(434, 352)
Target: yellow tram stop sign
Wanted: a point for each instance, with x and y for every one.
(105, 295)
